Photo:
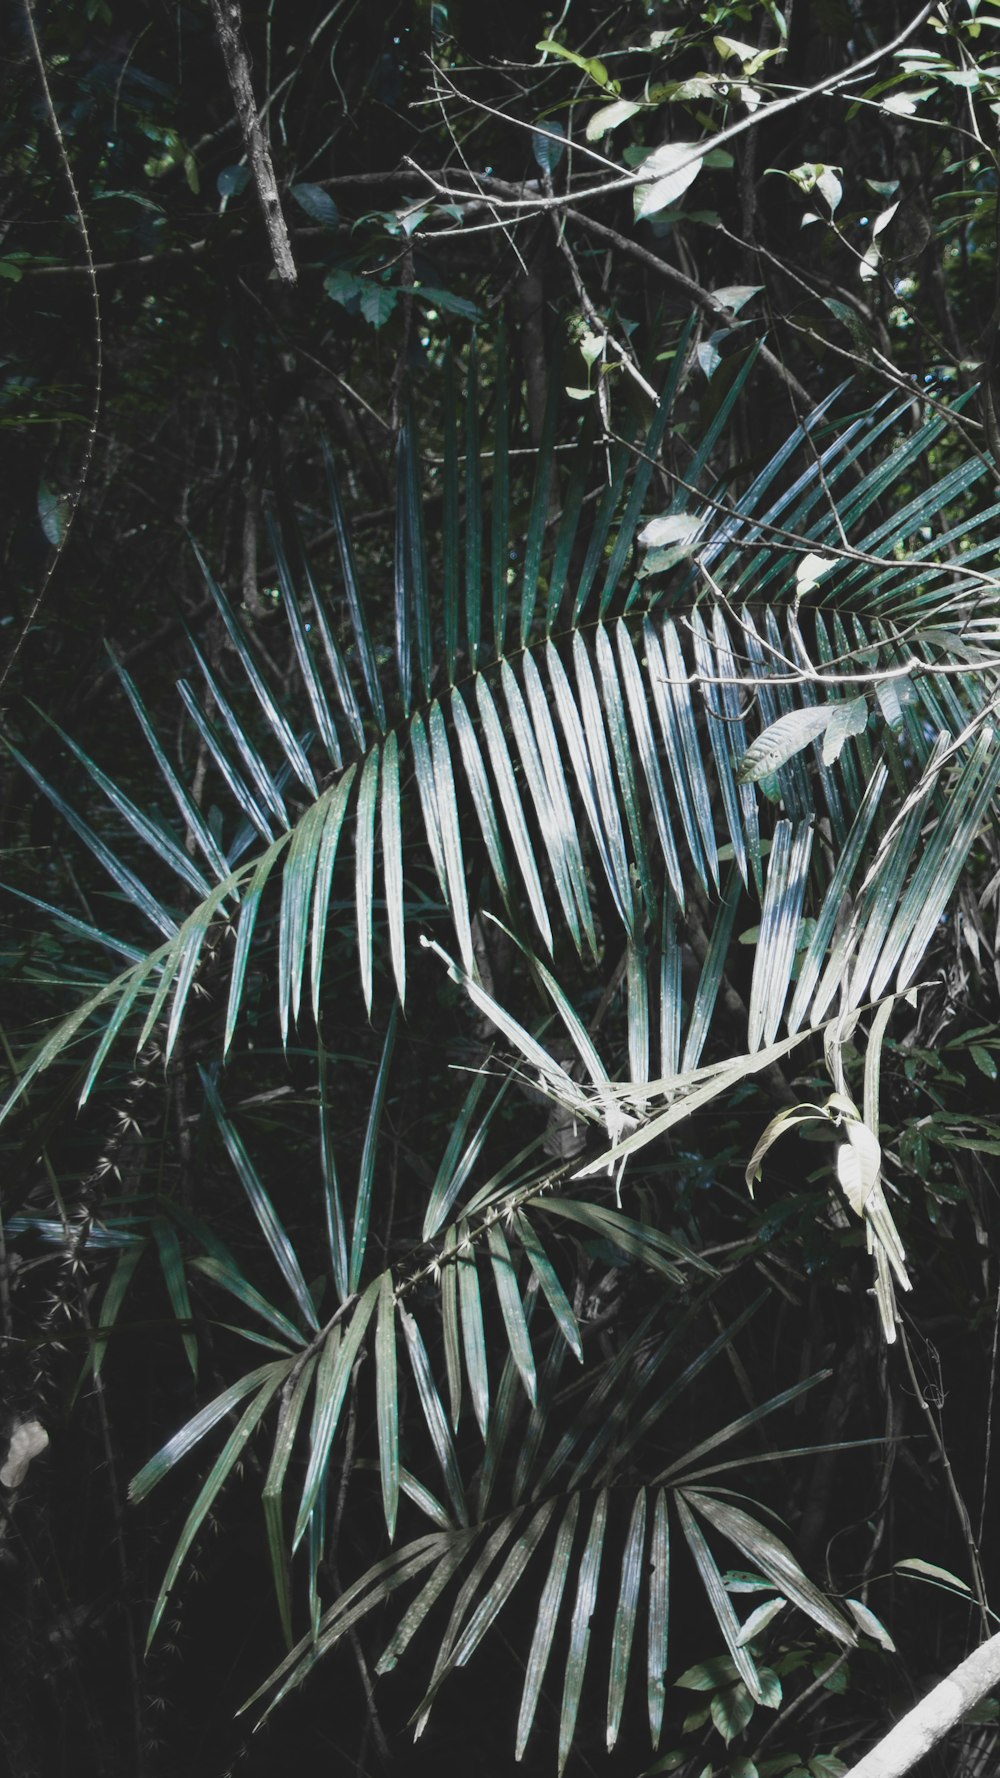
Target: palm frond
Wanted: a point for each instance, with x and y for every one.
(627, 752)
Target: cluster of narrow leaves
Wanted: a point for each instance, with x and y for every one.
(617, 766)
(613, 739)
(553, 1474)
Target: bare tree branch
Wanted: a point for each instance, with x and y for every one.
(923, 1726)
(229, 30)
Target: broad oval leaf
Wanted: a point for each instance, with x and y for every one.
(782, 741)
(671, 169)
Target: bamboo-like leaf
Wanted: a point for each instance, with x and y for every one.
(627, 1426)
(221, 1469)
(767, 1552)
(690, 1092)
(336, 1362)
(253, 809)
(437, 1424)
(482, 797)
(545, 1623)
(579, 1636)
(418, 1610)
(366, 1171)
(451, 835)
(505, 1411)
(728, 699)
(721, 738)
(554, 833)
(878, 898)
(621, 747)
(201, 1423)
(428, 792)
(555, 779)
(710, 979)
(80, 928)
(680, 694)
(422, 1498)
(553, 1076)
(607, 1409)
(718, 1598)
(277, 723)
(551, 1288)
(172, 1266)
(297, 882)
(310, 678)
(497, 1595)
(670, 989)
(873, 1064)
(324, 879)
(625, 1615)
(635, 693)
(521, 1170)
(111, 1303)
(335, 661)
(658, 1621)
(263, 781)
(780, 919)
(466, 1594)
(228, 1277)
(333, 1204)
(578, 1034)
(538, 1421)
(366, 653)
(449, 1323)
(284, 1439)
(637, 1004)
(249, 910)
(392, 861)
(131, 991)
(155, 836)
(512, 1308)
(640, 1240)
(774, 701)
(190, 943)
(190, 813)
(364, 871)
(833, 901)
(459, 1156)
(588, 761)
(125, 879)
(510, 802)
(938, 871)
(387, 1398)
(353, 1605)
(473, 1331)
(753, 1417)
(670, 735)
(271, 1228)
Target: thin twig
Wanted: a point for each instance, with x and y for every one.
(73, 501)
(229, 30)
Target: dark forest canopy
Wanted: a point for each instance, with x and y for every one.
(501, 874)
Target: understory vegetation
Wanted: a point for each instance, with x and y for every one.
(501, 874)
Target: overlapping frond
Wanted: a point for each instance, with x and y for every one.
(774, 718)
